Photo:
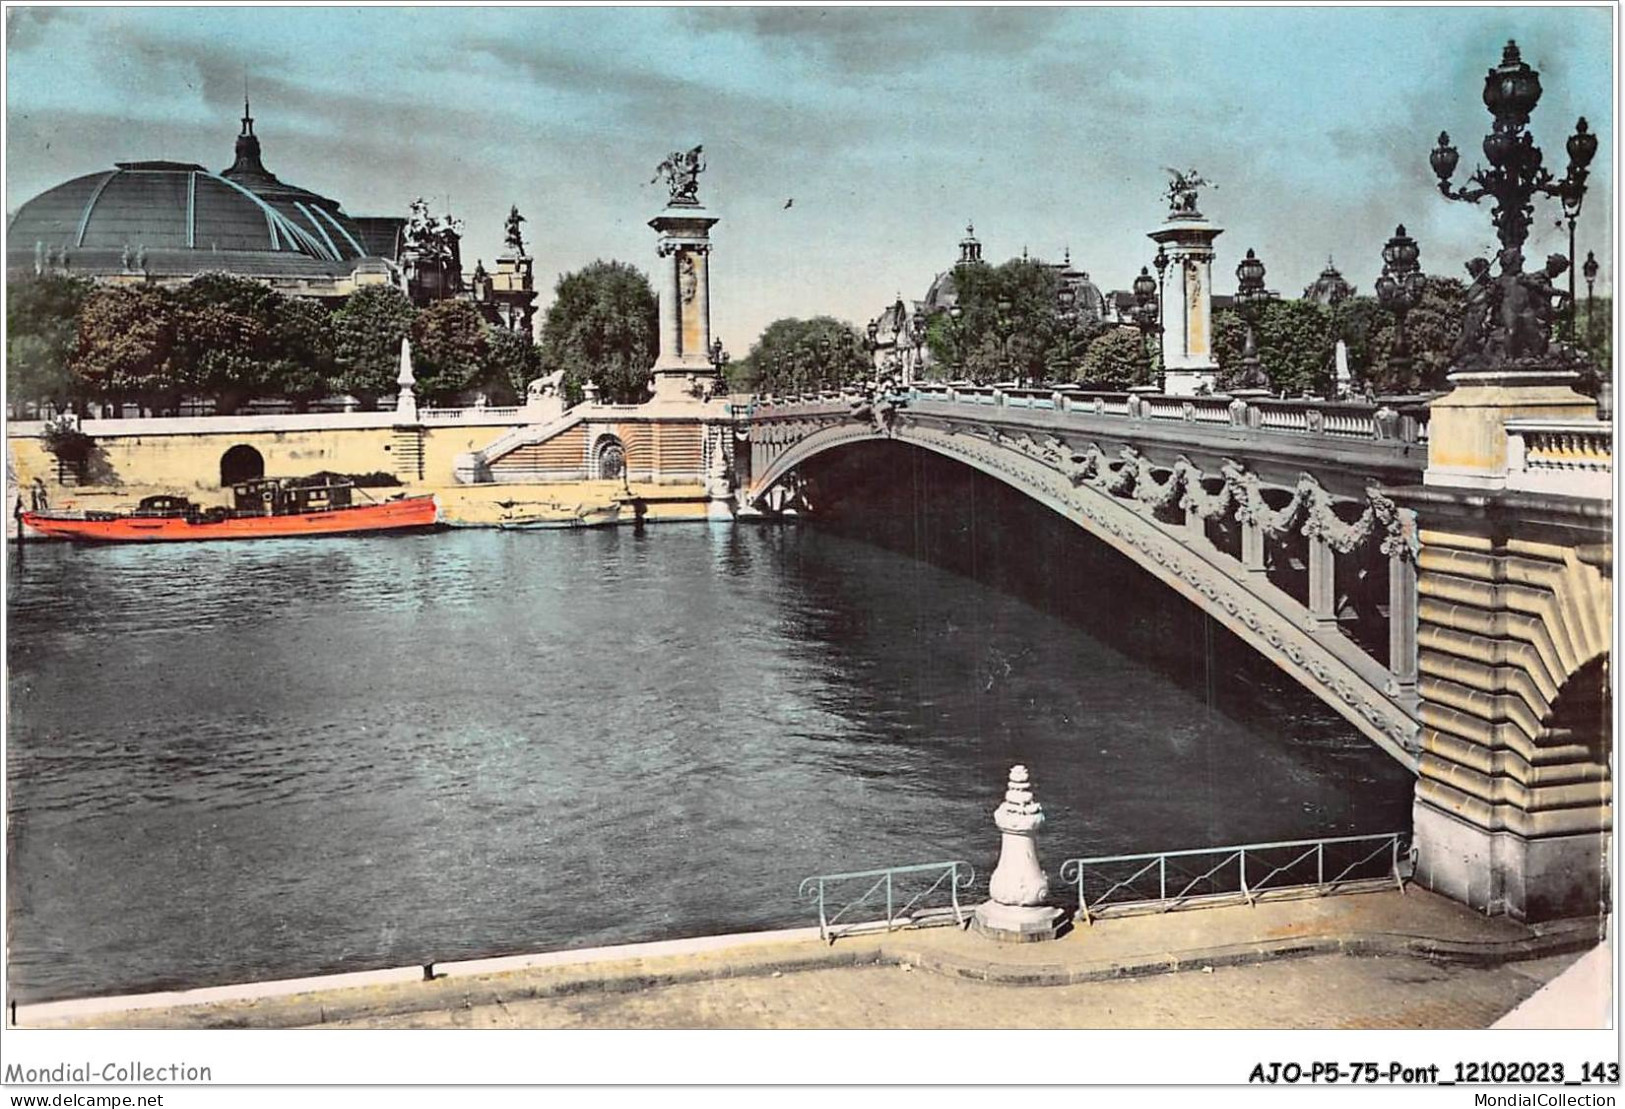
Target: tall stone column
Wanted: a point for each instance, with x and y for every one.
(1186, 237)
(684, 250)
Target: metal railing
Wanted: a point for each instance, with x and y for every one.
(959, 875)
(1124, 882)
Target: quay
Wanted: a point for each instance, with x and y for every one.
(1385, 959)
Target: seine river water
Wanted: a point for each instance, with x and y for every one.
(246, 761)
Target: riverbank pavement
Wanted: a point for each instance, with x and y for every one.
(1370, 960)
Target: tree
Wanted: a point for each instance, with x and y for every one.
(449, 349)
(1009, 326)
(602, 327)
(1431, 330)
(222, 337)
(512, 362)
(1118, 358)
(300, 342)
(367, 334)
(793, 355)
(42, 329)
(126, 346)
(1296, 345)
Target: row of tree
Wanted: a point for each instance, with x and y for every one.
(232, 340)
(1010, 328)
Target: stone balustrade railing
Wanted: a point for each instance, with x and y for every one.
(1402, 419)
(1573, 459)
(280, 421)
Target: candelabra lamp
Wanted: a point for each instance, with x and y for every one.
(1250, 297)
(1399, 289)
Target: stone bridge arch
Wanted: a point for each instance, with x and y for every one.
(1116, 501)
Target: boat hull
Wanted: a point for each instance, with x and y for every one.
(406, 514)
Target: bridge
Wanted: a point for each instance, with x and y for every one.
(1439, 573)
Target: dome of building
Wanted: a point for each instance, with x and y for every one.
(163, 219)
(1329, 288)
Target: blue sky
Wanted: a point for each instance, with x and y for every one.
(891, 127)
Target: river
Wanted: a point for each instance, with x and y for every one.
(246, 761)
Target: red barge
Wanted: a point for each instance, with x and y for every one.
(266, 508)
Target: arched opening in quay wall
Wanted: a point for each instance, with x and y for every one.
(241, 463)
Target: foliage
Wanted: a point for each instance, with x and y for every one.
(1118, 358)
(374, 480)
(603, 327)
(1594, 331)
(300, 349)
(41, 332)
(367, 334)
(222, 337)
(793, 355)
(449, 350)
(126, 347)
(512, 363)
(1431, 329)
(1009, 327)
(63, 438)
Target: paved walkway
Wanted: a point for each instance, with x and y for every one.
(1373, 960)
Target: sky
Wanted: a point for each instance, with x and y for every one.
(889, 127)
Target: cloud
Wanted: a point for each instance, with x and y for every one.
(27, 27)
(885, 40)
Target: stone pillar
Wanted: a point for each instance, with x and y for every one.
(1196, 525)
(1187, 310)
(1402, 625)
(1018, 887)
(1252, 547)
(1467, 439)
(1322, 583)
(684, 250)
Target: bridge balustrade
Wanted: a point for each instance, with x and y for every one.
(1560, 457)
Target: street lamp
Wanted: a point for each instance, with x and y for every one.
(1250, 294)
(1006, 327)
(916, 330)
(1515, 176)
(956, 315)
(1399, 289)
(719, 357)
(1161, 262)
(1590, 269)
(1147, 309)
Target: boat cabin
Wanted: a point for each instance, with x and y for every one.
(287, 496)
(165, 505)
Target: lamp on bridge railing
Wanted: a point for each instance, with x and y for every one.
(1250, 297)
(1590, 270)
(956, 317)
(1147, 311)
(719, 357)
(1515, 176)
(916, 331)
(1161, 262)
(1399, 289)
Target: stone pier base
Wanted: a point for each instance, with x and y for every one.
(1530, 879)
(1018, 923)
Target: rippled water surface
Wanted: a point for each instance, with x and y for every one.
(241, 761)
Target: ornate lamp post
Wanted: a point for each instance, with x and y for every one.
(1250, 295)
(1590, 269)
(874, 344)
(916, 331)
(1161, 262)
(1147, 308)
(1515, 176)
(956, 315)
(719, 357)
(1006, 332)
(1399, 289)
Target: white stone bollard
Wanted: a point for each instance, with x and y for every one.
(1018, 888)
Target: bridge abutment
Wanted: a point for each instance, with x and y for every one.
(1512, 611)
